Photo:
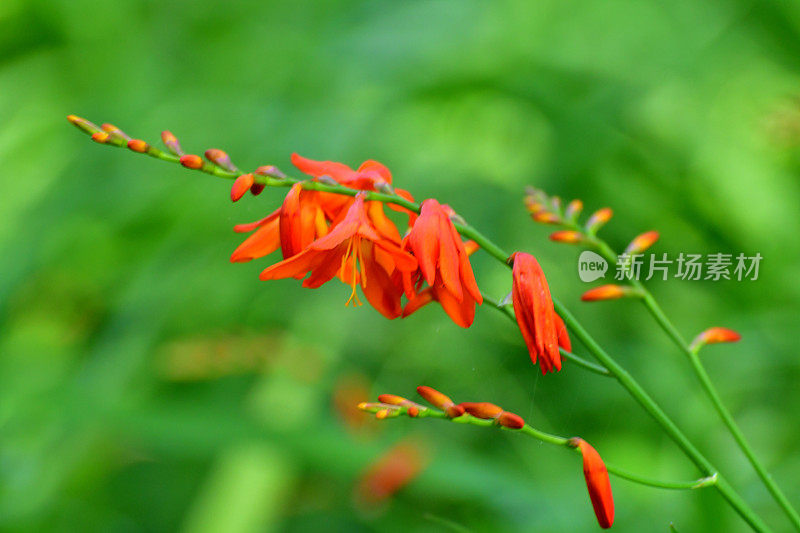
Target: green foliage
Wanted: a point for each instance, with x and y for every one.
(146, 384)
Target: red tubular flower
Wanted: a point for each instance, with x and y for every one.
(596, 474)
(533, 308)
(358, 253)
(443, 263)
(563, 335)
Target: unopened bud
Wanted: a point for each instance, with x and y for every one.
(100, 137)
(573, 210)
(483, 410)
(598, 219)
(221, 159)
(510, 420)
(443, 402)
(714, 336)
(115, 131)
(642, 242)
(171, 142)
(270, 170)
(192, 161)
(83, 124)
(257, 188)
(545, 217)
(240, 185)
(471, 247)
(567, 236)
(138, 145)
(608, 292)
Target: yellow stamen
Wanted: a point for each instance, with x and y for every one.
(354, 250)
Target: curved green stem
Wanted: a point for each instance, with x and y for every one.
(708, 387)
(556, 440)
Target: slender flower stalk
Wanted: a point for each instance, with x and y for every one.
(636, 288)
(550, 214)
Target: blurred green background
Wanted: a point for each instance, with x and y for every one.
(146, 384)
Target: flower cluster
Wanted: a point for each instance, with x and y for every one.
(326, 235)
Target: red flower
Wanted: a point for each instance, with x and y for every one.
(360, 251)
(533, 308)
(596, 474)
(443, 263)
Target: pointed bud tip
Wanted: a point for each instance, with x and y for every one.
(642, 242)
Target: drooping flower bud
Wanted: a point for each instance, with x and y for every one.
(713, 336)
(567, 236)
(257, 188)
(642, 242)
(597, 482)
(535, 315)
(598, 219)
(221, 159)
(443, 402)
(83, 124)
(171, 142)
(608, 292)
(240, 186)
(192, 161)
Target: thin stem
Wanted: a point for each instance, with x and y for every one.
(649, 405)
(708, 387)
(556, 440)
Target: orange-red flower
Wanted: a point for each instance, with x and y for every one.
(533, 308)
(596, 474)
(360, 250)
(443, 263)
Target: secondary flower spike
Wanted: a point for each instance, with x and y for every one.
(533, 307)
(443, 264)
(596, 474)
